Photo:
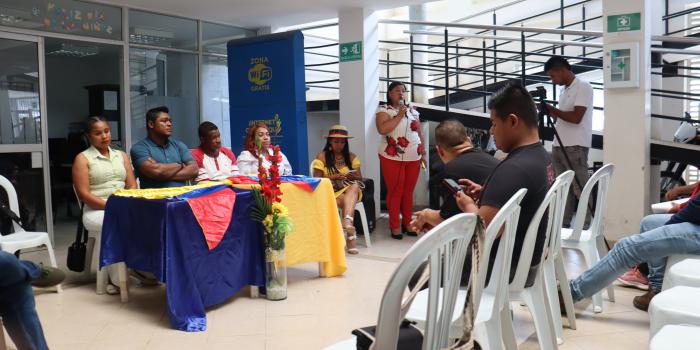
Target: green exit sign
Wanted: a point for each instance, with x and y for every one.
(624, 23)
(350, 51)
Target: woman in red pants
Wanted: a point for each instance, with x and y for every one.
(401, 153)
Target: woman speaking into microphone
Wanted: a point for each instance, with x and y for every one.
(401, 153)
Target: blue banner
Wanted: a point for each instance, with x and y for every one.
(266, 84)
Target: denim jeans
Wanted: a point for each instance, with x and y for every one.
(652, 246)
(17, 307)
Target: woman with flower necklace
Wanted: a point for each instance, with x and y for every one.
(248, 159)
(401, 153)
(336, 163)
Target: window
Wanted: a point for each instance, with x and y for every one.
(215, 36)
(161, 78)
(152, 29)
(215, 95)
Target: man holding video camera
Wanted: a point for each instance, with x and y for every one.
(574, 123)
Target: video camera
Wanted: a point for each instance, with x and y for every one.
(541, 93)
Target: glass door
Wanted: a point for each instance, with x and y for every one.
(23, 141)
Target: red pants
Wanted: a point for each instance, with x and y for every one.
(400, 179)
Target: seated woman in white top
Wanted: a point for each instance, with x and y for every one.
(97, 173)
(215, 161)
(248, 159)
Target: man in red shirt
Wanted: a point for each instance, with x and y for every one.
(215, 162)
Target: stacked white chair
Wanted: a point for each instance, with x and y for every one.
(676, 306)
(487, 321)
(682, 270)
(22, 239)
(360, 209)
(591, 241)
(445, 247)
(676, 337)
(553, 266)
(535, 296)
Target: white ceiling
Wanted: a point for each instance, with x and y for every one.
(260, 13)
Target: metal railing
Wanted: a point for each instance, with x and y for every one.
(449, 75)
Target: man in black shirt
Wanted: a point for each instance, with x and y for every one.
(528, 165)
(462, 160)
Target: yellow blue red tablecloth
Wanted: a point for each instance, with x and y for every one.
(156, 231)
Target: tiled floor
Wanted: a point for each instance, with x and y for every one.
(317, 313)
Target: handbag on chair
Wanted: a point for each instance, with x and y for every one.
(78, 250)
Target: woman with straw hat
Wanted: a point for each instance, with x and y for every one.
(342, 167)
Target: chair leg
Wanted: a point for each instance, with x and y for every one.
(123, 282)
(541, 314)
(365, 227)
(560, 273)
(590, 253)
(552, 297)
(101, 283)
(89, 257)
(489, 333)
(507, 328)
(603, 251)
(52, 259)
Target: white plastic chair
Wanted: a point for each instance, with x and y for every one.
(682, 270)
(445, 248)
(676, 337)
(22, 239)
(678, 305)
(553, 267)
(360, 208)
(492, 297)
(535, 296)
(102, 274)
(591, 241)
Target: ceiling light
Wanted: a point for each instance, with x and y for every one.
(72, 50)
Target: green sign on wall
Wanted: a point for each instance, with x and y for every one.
(624, 23)
(350, 51)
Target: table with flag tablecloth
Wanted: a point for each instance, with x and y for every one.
(157, 231)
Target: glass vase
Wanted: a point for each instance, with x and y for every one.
(275, 274)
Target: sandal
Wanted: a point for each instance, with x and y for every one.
(350, 235)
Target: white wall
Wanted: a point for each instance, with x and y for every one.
(317, 126)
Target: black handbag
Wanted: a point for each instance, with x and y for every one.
(78, 250)
(410, 337)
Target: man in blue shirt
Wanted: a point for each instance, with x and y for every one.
(679, 235)
(159, 160)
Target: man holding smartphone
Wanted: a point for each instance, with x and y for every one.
(462, 160)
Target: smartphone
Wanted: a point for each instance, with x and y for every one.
(452, 186)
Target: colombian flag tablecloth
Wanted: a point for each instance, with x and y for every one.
(200, 241)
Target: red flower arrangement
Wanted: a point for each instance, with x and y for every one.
(420, 149)
(403, 142)
(270, 179)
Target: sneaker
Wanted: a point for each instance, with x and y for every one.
(642, 302)
(50, 276)
(635, 279)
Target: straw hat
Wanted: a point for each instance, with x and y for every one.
(338, 131)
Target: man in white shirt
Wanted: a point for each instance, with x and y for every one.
(215, 161)
(574, 122)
